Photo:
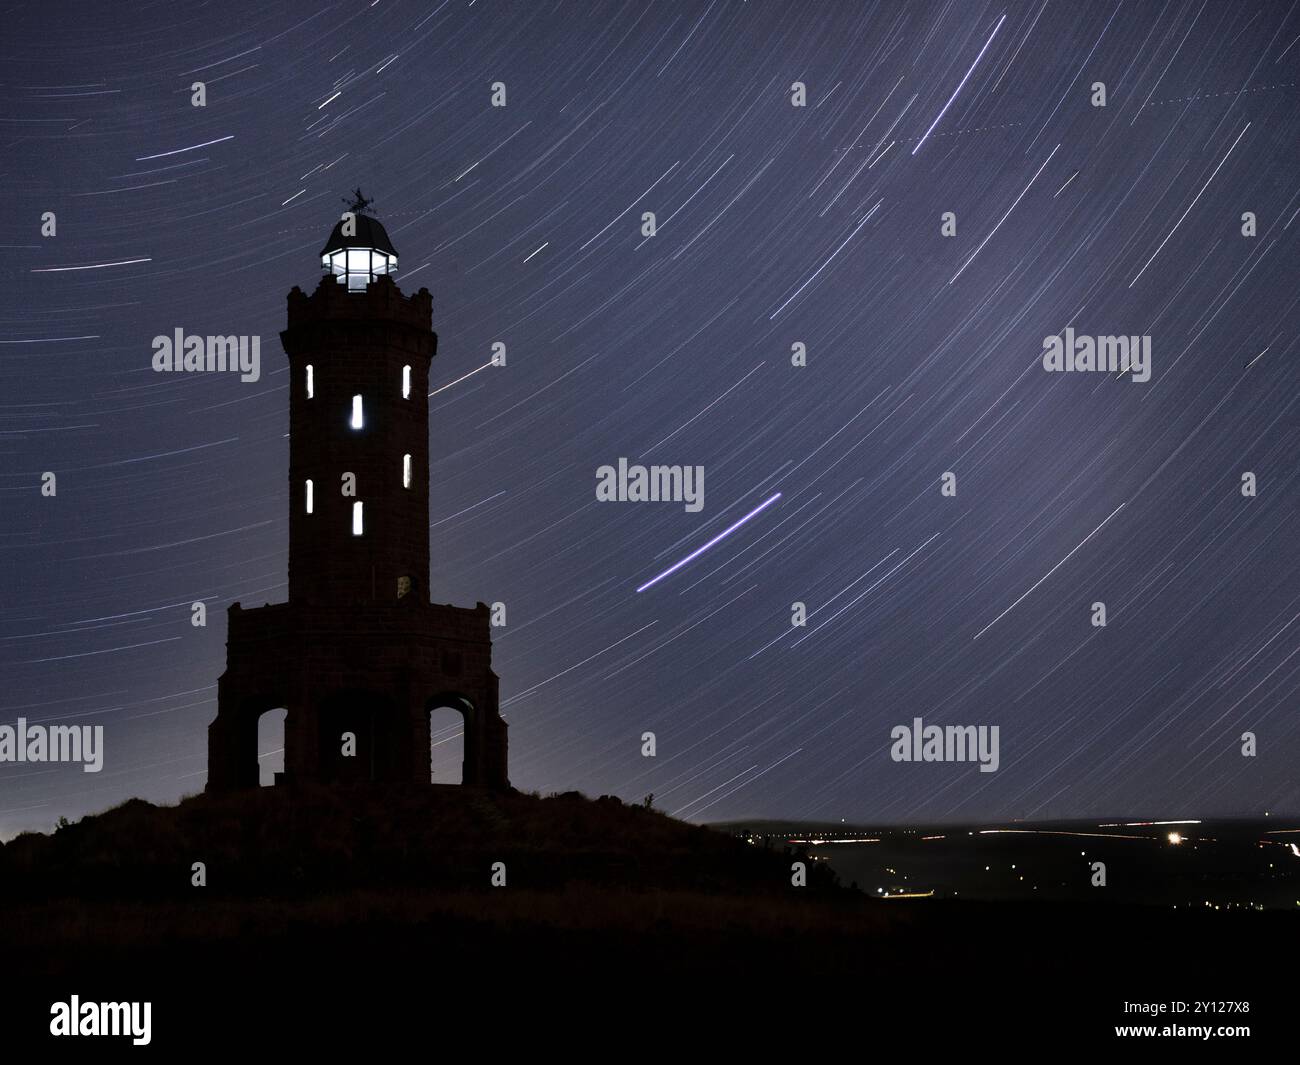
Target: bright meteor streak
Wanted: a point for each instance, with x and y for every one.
(700, 550)
(959, 85)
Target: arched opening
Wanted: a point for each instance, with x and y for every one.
(446, 745)
(247, 727)
(270, 745)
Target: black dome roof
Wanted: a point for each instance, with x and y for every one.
(369, 234)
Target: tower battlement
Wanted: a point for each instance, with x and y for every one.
(381, 300)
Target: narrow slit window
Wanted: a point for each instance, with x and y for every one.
(311, 382)
(357, 524)
(406, 471)
(406, 382)
(357, 420)
(309, 496)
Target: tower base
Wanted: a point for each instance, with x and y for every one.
(357, 686)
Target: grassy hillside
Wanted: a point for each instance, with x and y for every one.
(273, 842)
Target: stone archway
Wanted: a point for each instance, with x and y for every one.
(233, 760)
(447, 728)
(442, 726)
(272, 727)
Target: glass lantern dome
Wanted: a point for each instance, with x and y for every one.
(358, 259)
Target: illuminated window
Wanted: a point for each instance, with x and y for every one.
(406, 382)
(357, 420)
(311, 383)
(406, 471)
(403, 586)
(356, 518)
(309, 496)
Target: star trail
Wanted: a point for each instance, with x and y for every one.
(840, 304)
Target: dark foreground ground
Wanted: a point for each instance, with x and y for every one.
(369, 920)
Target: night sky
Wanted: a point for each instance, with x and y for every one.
(777, 225)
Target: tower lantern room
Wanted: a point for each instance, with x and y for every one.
(358, 250)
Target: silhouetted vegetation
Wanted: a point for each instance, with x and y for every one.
(372, 899)
(274, 842)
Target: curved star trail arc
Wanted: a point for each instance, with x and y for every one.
(779, 230)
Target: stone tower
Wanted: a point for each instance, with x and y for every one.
(358, 656)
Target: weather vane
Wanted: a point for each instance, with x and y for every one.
(358, 203)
